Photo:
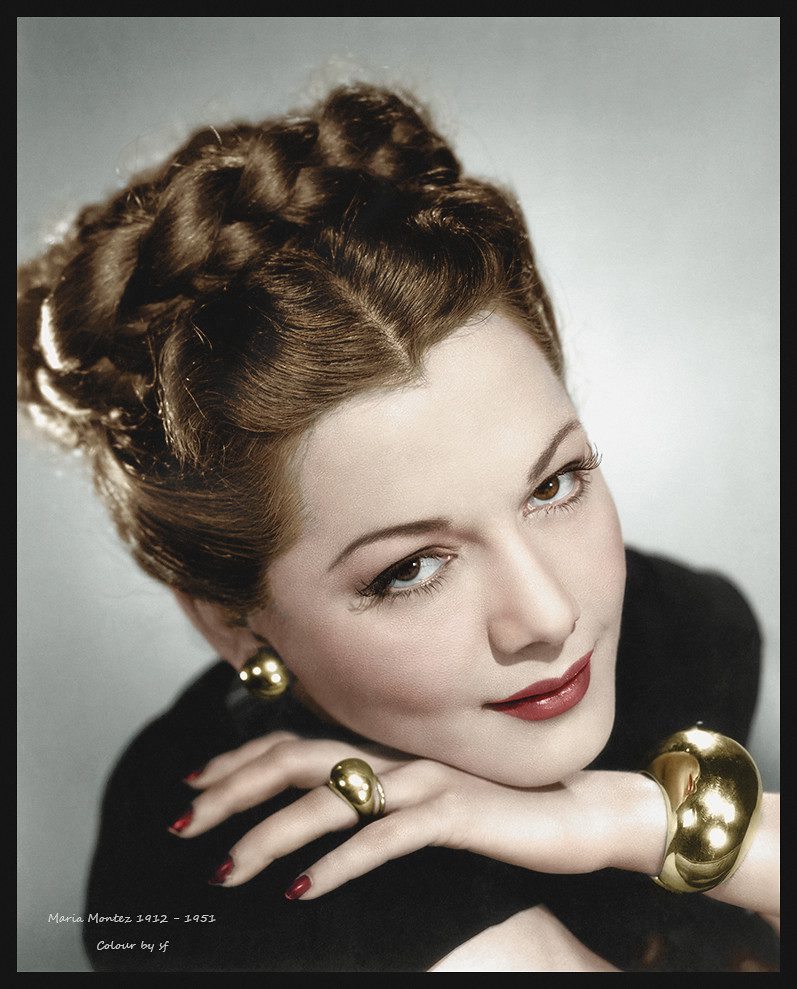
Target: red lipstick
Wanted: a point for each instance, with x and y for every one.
(548, 698)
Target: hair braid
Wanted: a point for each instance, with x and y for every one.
(186, 332)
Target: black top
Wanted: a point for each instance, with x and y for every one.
(689, 651)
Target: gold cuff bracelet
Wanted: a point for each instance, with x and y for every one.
(712, 789)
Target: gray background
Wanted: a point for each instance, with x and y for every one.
(644, 151)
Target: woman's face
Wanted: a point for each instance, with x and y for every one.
(511, 566)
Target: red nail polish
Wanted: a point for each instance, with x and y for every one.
(182, 822)
(192, 776)
(222, 872)
(297, 888)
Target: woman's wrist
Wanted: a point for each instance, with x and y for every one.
(632, 821)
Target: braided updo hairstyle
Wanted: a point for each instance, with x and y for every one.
(187, 332)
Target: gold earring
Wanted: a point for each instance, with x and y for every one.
(264, 674)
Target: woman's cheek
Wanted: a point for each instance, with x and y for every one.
(399, 662)
(612, 549)
(601, 554)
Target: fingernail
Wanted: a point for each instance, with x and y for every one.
(182, 822)
(218, 877)
(297, 888)
(192, 776)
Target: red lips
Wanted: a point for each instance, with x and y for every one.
(557, 695)
(549, 686)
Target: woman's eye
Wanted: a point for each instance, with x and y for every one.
(413, 572)
(554, 489)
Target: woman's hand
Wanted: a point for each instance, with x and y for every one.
(590, 821)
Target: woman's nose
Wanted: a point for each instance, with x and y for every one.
(530, 602)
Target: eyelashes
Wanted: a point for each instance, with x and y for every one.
(379, 590)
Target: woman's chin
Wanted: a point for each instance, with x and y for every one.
(550, 758)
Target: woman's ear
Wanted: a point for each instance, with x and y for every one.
(234, 642)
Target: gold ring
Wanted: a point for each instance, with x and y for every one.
(355, 782)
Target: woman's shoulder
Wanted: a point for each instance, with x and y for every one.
(657, 583)
(698, 618)
(213, 713)
(689, 651)
(194, 723)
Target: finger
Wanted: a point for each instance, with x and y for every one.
(388, 838)
(291, 762)
(221, 766)
(315, 814)
(227, 762)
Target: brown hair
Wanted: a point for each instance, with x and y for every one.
(188, 331)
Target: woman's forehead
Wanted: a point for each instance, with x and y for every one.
(488, 398)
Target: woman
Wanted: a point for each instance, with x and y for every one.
(321, 387)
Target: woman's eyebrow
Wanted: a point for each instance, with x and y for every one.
(441, 522)
(544, 460)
